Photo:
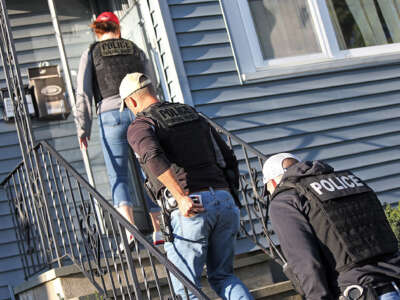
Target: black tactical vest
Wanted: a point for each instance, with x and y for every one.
(184, 137)
(112, 60)
(347, 217)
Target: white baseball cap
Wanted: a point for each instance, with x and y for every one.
(130, 84)
(273, 166)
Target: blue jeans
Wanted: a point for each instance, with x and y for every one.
(390, 296)
(208, 238)
(113, 128)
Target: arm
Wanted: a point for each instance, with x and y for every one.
(299, 245)
(84, 95)
(145, 144)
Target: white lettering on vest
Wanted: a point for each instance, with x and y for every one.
(347, 181)
(355, 180)
(336, 183)
(339, 187)
(317, 187)
(327, 185)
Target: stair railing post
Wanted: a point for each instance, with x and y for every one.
(71, 95)
(23, 121)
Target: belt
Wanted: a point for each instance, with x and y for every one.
(384, 289)
(210, 189)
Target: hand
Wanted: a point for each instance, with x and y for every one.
(83, 142)
(188, 208)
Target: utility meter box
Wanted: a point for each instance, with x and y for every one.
(49, 91)
(8, 109)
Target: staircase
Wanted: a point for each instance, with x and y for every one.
(70, 236)
(255, 269)
(70, 239)
(73, 244)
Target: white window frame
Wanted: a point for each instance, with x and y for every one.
(252, 66)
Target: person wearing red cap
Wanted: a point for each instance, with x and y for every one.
(101, 69)
(107, 16)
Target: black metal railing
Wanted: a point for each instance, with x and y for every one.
(62, 220)
(254, 222)
(74, 224)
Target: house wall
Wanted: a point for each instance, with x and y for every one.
(35, 42)
(349, 118)
(165, 50)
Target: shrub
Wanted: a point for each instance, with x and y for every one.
(393, 216)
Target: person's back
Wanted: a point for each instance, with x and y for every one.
(112, 59)
(174, 146)
(185, 139)
(101, 69)
(332, 230)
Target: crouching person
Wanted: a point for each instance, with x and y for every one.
(174, 146)
(332, 230)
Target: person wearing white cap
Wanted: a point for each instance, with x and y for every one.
(101, 69)
(332, 230)
(175, 148)
(274, 168)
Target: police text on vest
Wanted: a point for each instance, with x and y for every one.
(335, 183)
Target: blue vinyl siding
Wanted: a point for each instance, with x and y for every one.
(35, 42)
(348, 118)
(161, 46)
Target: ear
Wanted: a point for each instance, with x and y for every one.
(273, 183)
(132, 101)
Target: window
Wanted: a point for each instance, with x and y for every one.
(286, 37)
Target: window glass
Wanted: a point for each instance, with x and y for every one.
(364, 23)
(284, 28)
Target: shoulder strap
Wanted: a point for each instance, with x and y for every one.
(287, 185)
(96, 90)
(150, 122)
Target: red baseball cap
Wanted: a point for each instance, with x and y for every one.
(107, 16)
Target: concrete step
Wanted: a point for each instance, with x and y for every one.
(276, 291)
(260, 274)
